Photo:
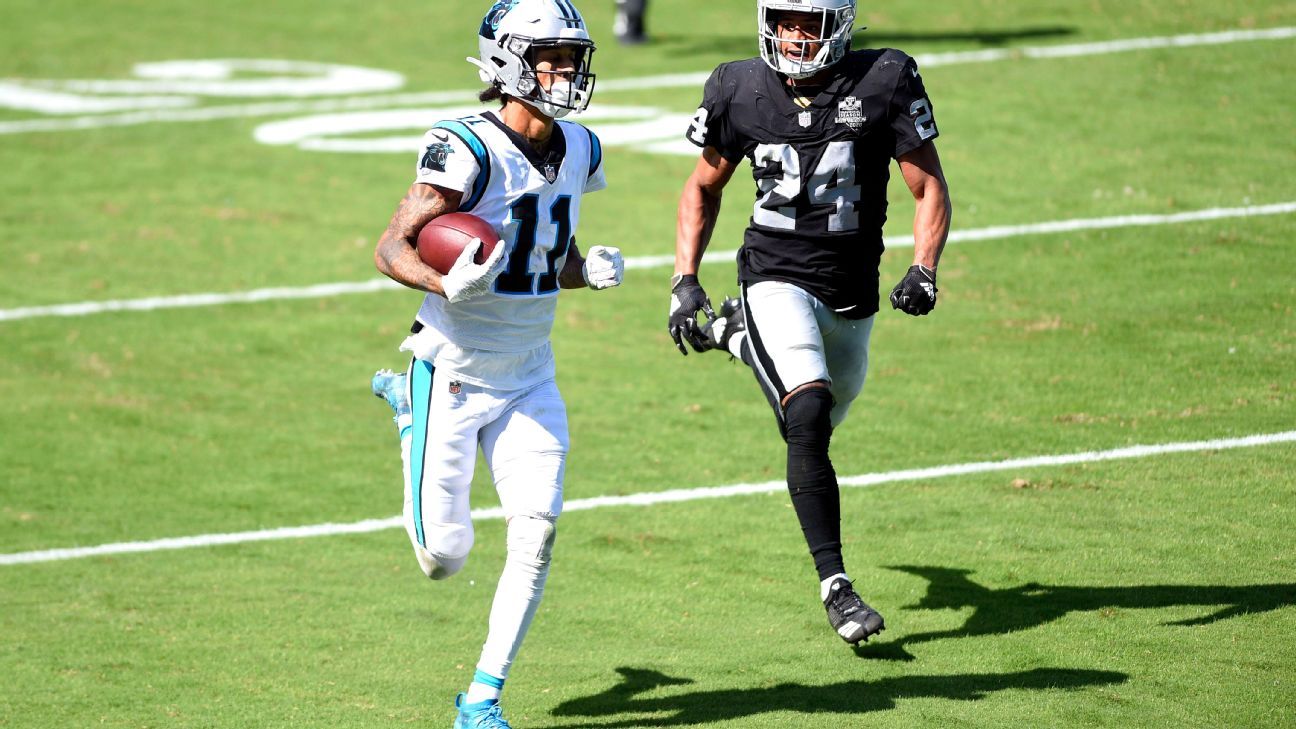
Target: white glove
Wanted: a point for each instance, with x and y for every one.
(604, 267)
(466, 279)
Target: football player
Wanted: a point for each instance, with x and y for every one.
(820, 124)
(482, 368)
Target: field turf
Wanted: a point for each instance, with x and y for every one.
(1148, 591)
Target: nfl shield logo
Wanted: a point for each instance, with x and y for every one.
(803, 119)
(551, 173)
(456, 387)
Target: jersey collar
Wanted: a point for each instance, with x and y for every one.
(548, 164)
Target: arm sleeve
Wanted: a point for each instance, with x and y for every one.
(710, 126)
(596, 181)
(446, 160)
(912, 119)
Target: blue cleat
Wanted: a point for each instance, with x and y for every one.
(390, 386)
(484, 715)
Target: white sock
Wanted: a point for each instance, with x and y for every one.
(735, 344)
(825, 584)
(484, 687)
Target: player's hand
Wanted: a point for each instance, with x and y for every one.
(604, 267)
(687, 299)
(915, 295)
(466, 279)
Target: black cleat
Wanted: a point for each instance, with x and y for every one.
(728, 322)
(850, 616)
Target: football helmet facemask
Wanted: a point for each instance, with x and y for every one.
(510, 34)
(837, 16)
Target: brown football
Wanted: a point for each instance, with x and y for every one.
(444, 237)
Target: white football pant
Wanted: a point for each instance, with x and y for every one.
(796, 339)
(523, 436)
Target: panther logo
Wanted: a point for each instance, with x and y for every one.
(495, 16)
(436, 155)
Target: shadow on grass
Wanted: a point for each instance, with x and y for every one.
(996, 612)
(849, 697)
(746, 44)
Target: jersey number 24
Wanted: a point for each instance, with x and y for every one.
(831, 184)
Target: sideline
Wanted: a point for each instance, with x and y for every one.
(652, 498)
(677, 80)
(155, 303)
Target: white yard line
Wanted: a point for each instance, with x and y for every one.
(677, 80)
(154, 303)
(658, 497)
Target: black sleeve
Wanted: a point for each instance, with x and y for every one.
(710, 126)
(912, 121)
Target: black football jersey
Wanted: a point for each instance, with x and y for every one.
(821, 172)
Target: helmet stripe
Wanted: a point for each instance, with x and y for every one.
(569, 13)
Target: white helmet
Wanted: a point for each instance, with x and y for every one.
(509, 33)
(837, 15)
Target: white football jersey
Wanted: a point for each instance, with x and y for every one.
(535, 205)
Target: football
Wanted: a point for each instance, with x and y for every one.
(444, 237)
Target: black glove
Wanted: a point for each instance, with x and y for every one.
(915, 295)
(687, 299)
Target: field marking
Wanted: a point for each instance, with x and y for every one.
(998, 232)
(673, 496)
(675, 80)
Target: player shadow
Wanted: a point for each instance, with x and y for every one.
(1012, 609)
(745, 45)
(847, 697)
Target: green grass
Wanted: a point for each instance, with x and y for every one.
(1146, 592)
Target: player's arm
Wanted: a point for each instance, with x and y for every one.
(396, 254)
(570, 276)
(921, 168)
(922, 172)
(699, 208)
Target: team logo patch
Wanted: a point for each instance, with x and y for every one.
(494, 17)
(456, 387)
(850, 111)
(434, 159)
(804, 119)
(550, 173)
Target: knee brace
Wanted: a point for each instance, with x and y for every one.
(446, 551)
(812, 482)
(807, 421)
(531, 540)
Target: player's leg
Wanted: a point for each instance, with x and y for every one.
(787, 354)
(439, 458)
(786, 349)
(526, 448)
(846, 345)
(628, 23)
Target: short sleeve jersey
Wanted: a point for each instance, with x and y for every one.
(533, 201)
(821, 172)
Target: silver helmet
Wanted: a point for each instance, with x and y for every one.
(512, 30)
(837, 16)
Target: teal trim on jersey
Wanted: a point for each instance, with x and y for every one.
(596, 152)
(486, 679)
(478, 148)
(421, 373)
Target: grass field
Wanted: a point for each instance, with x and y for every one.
(1152, 591)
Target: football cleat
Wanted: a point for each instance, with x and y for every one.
(729, 321)
(483, 715)
(390, 386)
(850, 616)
